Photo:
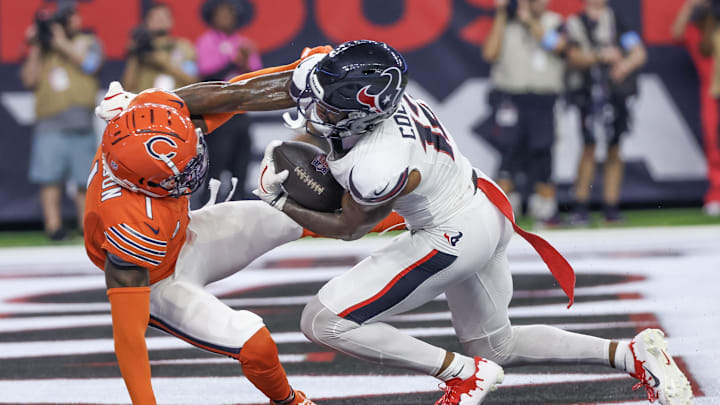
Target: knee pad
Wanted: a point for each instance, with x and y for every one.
(321, 325)
(497, 347)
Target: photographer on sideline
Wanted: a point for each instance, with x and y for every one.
(156, 58)
(61, 67)
(696, 25)
(525, 48)
(606, 56)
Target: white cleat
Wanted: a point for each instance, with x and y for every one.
(473, 390)
(657, 370)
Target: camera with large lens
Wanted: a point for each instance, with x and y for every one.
(44, 19)
(142, 39)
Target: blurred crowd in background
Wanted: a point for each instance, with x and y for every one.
(62, 65)
(538, 58)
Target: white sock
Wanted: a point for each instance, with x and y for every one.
(461, 367)
(624, 359)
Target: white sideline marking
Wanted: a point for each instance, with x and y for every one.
(680, 288)
(221, 390)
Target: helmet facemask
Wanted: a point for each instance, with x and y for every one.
(190, 179)
(342, 133)
(178, 184)
(349, 92)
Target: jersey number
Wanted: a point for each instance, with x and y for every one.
(429, 129)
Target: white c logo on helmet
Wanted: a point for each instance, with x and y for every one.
(149, 145)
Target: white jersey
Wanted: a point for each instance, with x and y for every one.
(377, 168)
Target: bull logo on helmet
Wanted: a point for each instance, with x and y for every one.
(385, 99)
(150, 147)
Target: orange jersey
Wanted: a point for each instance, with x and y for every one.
(142, 230)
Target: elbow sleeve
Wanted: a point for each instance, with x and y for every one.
(130, 308)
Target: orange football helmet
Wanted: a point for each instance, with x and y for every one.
(154, 148)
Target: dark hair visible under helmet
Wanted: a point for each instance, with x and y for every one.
(365, 79)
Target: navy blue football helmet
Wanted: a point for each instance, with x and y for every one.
(356, 86)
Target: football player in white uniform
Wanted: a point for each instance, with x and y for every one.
(390, 152)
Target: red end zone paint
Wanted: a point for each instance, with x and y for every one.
(320, 357)
(629, 296)
(646, 320)
(697, 391)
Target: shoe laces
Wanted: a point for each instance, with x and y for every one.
(451, 395)
(641, 375)
(453, 391)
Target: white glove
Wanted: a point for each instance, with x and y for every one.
(116, 101)
(270, 183)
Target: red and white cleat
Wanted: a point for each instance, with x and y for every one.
(657, 370)
(473, 390)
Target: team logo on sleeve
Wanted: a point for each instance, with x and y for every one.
(154, 146)
(382, 101)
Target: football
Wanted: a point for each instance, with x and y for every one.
(309, 181)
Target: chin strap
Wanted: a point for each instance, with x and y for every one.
(170, 164)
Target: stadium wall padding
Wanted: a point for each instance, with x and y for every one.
(441, 41)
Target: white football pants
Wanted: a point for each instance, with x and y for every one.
(465, 259)
(221, 240)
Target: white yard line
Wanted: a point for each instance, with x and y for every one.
(681, 267)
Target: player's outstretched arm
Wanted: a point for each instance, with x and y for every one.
(129, 294)
(262, 90)
(266, 90)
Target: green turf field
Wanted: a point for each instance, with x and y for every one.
(635, 218)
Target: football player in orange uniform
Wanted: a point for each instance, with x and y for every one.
(156, 254)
